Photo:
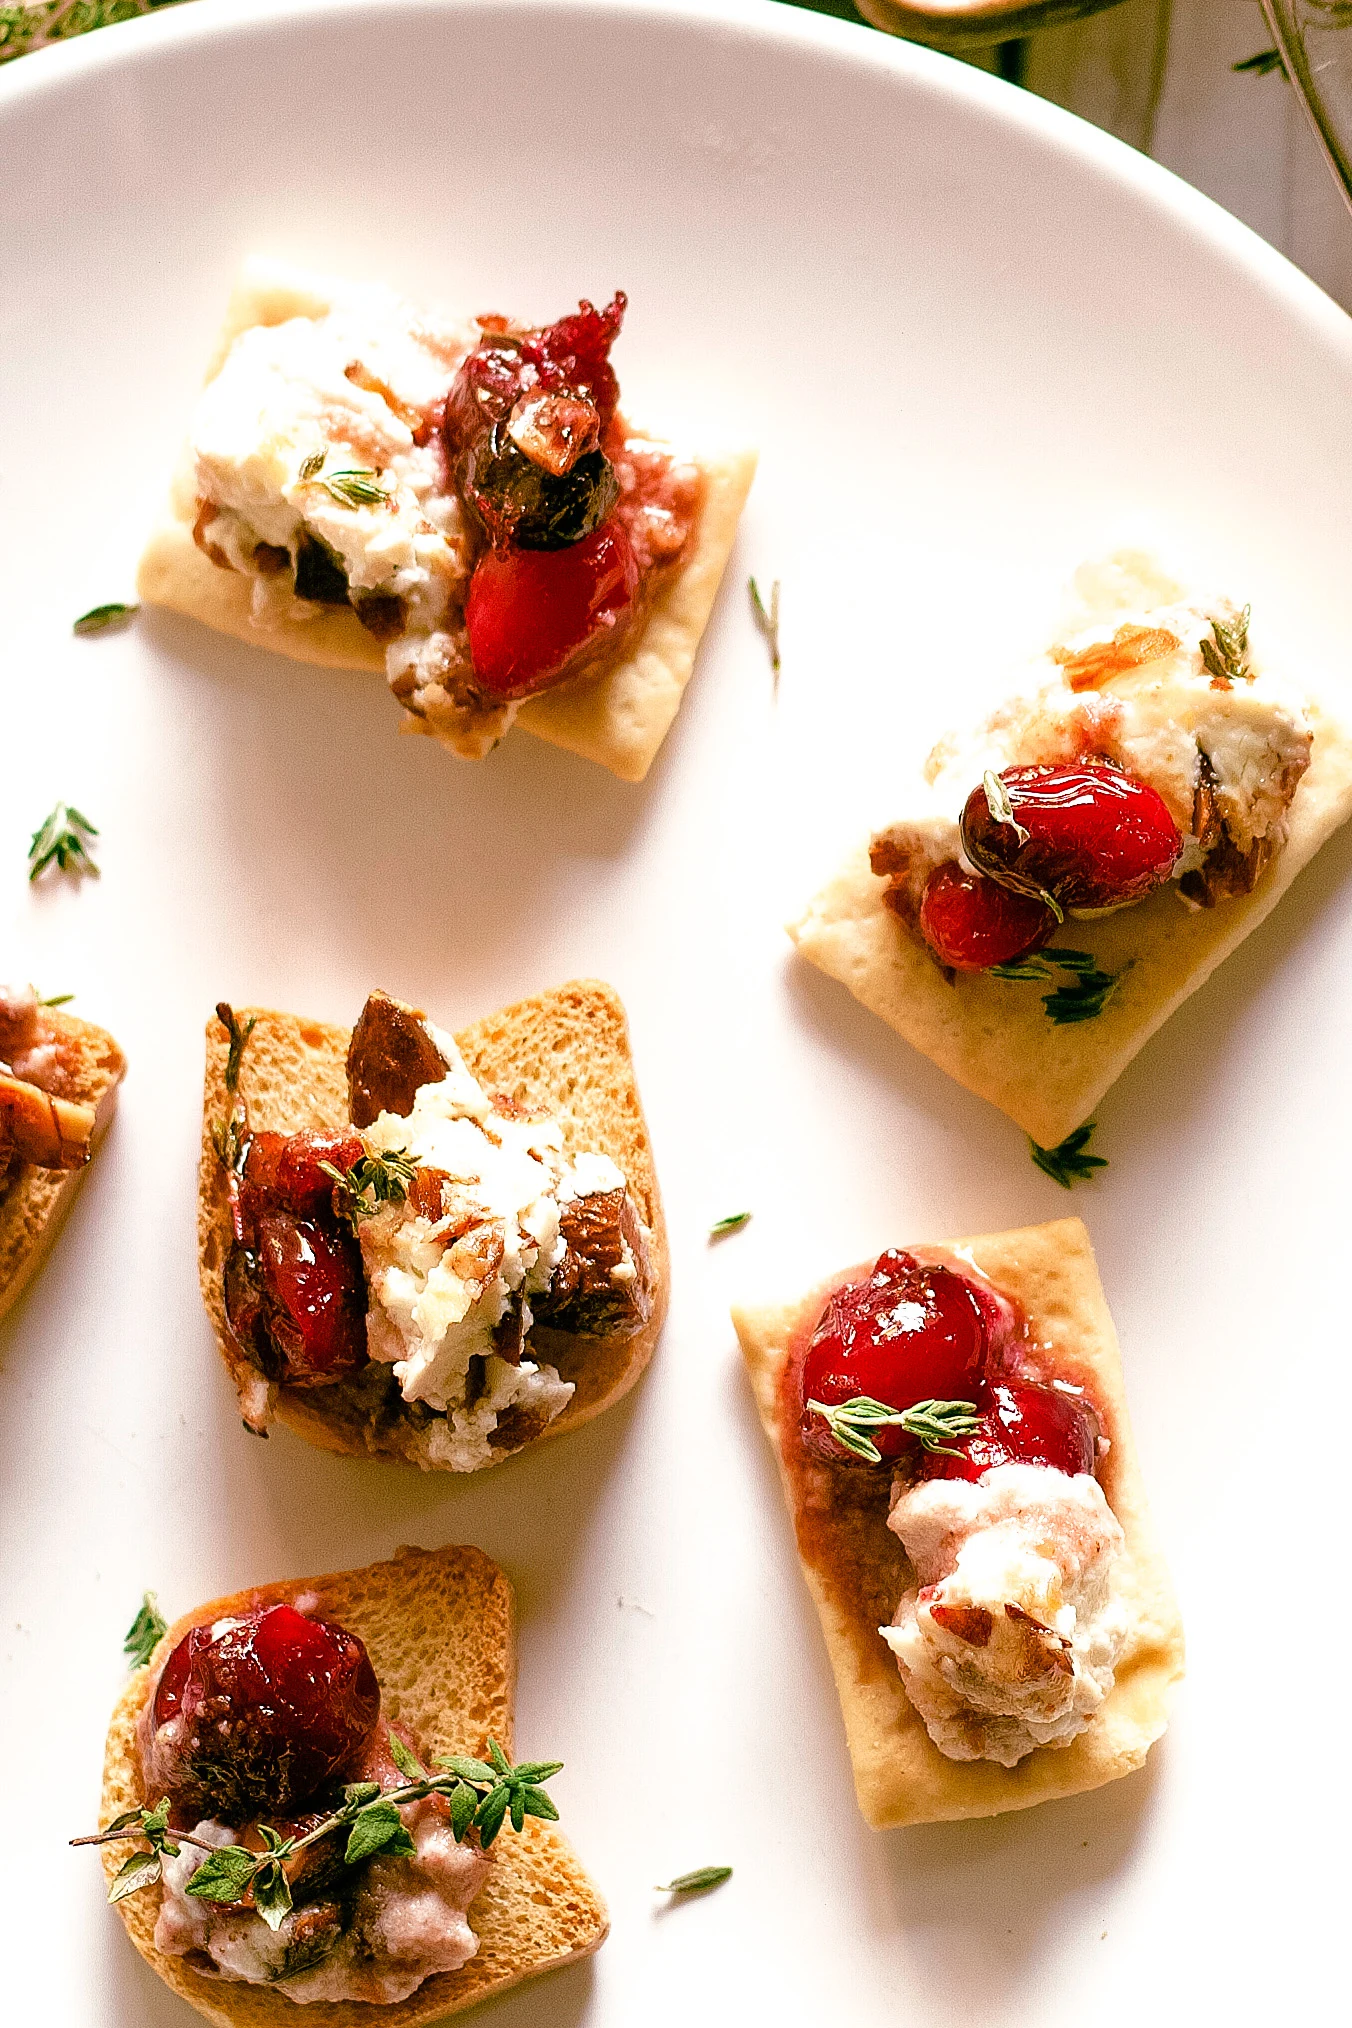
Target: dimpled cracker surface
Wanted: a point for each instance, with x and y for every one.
(35, 1201)
(618, 719)
(900, 1775)
(438, 1625)
(565, 1051)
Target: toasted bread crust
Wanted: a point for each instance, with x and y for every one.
(900, 1775)
(566, 1051)
(439, 1628)
(35, 1201)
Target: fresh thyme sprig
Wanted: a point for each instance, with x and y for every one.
(239, 1037)
(767, 618)
(1080, 998)
(698, 1882)
(1261, 63)
(734, 1222)
(371, 1182)
(144, 1632)
(102, 619)
(1067, 1162)
(63, 839)
(1224, 653)
(354, 486)
(482, 1795)
(934, 1423)
(227, 1136)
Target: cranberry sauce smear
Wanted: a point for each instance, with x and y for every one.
(970, 922)
(1022, 1423)
(907, 1333)
(295, 1290)
(1090, 835)
(258, 1713)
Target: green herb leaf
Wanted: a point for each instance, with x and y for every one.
(464, 1803)
(56, 1000)
(313, 465)
(407, 1762)
(932, 1423)
(1261, 63)
(1083, 1001)
(379, 1828)
(935, 1423)
(468, 1770)
(357, 486)
(501, 1764)
(490, 1814)
(143, 1869)
(767, 618)
(62, 839)
(537, 1770)
(239, 1037)
(144, 1632)
(272, 1894)
(225, 1875)
(538, 1804)
(102, 619)
(358, 1793)
(732, 1223)
(1224, 653)
(1067, 1162)
(698, 1882)
(372, 1181)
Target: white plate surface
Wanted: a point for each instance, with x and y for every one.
(977, 342)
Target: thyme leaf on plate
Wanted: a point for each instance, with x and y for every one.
(102, 619)
(62, 839)
(767, 618)
(734, 1222)
(698, 1882)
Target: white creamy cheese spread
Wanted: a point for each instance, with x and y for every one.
(465, 1250)
(1012, 1637)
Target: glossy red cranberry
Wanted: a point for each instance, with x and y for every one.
(574, 354)
(907, 1333)
(533, 613)
(1022, 1424)
(295, 1289)
(971, 923)
(283, 1171)
(262, 1711)
(1096, 836)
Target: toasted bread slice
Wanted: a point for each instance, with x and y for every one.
(438, 1626)
(34, 1201)
(618, 718)
(857, 1570)
(566, 1052)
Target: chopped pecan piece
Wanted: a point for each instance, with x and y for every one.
(390, 1057)
(1228, 872)
(586, 1296)
(1130, 648)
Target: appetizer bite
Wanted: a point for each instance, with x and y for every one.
(58, 1087)
(308, 1798)
(430, 1248)
(956, 1455)
(1088, 855)
(456, 502)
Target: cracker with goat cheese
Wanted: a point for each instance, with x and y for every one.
(856, 1569)
(617, 716)
(992, 1034)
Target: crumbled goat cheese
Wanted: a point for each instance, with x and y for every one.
(408, 1920)
(1012, 1638)
(447, 1269)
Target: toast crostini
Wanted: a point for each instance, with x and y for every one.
(282, 1826)
(954, 1445)
(1087, 856)
(426, 1248)
(454, 502)
(58, 1088)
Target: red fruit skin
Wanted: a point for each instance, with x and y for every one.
(532, 613)
(907, 1333)
(571, 356)
(295, 1289)
(258, 1713)
(971, 923)
(1098, 837)
(1022, 1424)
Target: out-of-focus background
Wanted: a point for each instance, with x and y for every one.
(1160, 74)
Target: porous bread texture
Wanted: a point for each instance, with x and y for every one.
(618, 718)
(439, 1628)
(565, 1051)
(900, 1776)
(35, 1201)
(993, 1035)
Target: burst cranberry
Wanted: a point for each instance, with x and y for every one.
(970, 922)
(908, 1333)
(1022, 1424)
(295, 1290)
(1094, 836)
(259, 1712)
(283, 1172)
(575, 354)
(533, 613)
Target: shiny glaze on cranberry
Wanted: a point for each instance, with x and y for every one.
(295, 1290)
(1022, 1423)
(971, 923)
(1097, 837)
(533, 615)
(258, 1712)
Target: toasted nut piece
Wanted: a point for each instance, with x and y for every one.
(51, 1133)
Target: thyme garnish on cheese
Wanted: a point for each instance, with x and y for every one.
(482, 1795)
(144, 1632)
(354, 486)
(62, 839)
(1067, 1162)
(102, 619)
(698, 1882)
(767, 618)
(1079, 998)
(370, 1182)
(933, 1423)
(1223, 655)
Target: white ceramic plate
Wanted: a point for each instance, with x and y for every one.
(976, 341)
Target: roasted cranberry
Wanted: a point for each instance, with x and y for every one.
(295, 1291)
(532, 614)
(575, 354)
(1022, 1424)
(1090, 835)
(284, 1172)
(908, 1333)
(262, 1711)
(970, 922)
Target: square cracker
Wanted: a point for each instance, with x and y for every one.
(856, 1568)
(993, 1035)
(618, 718)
